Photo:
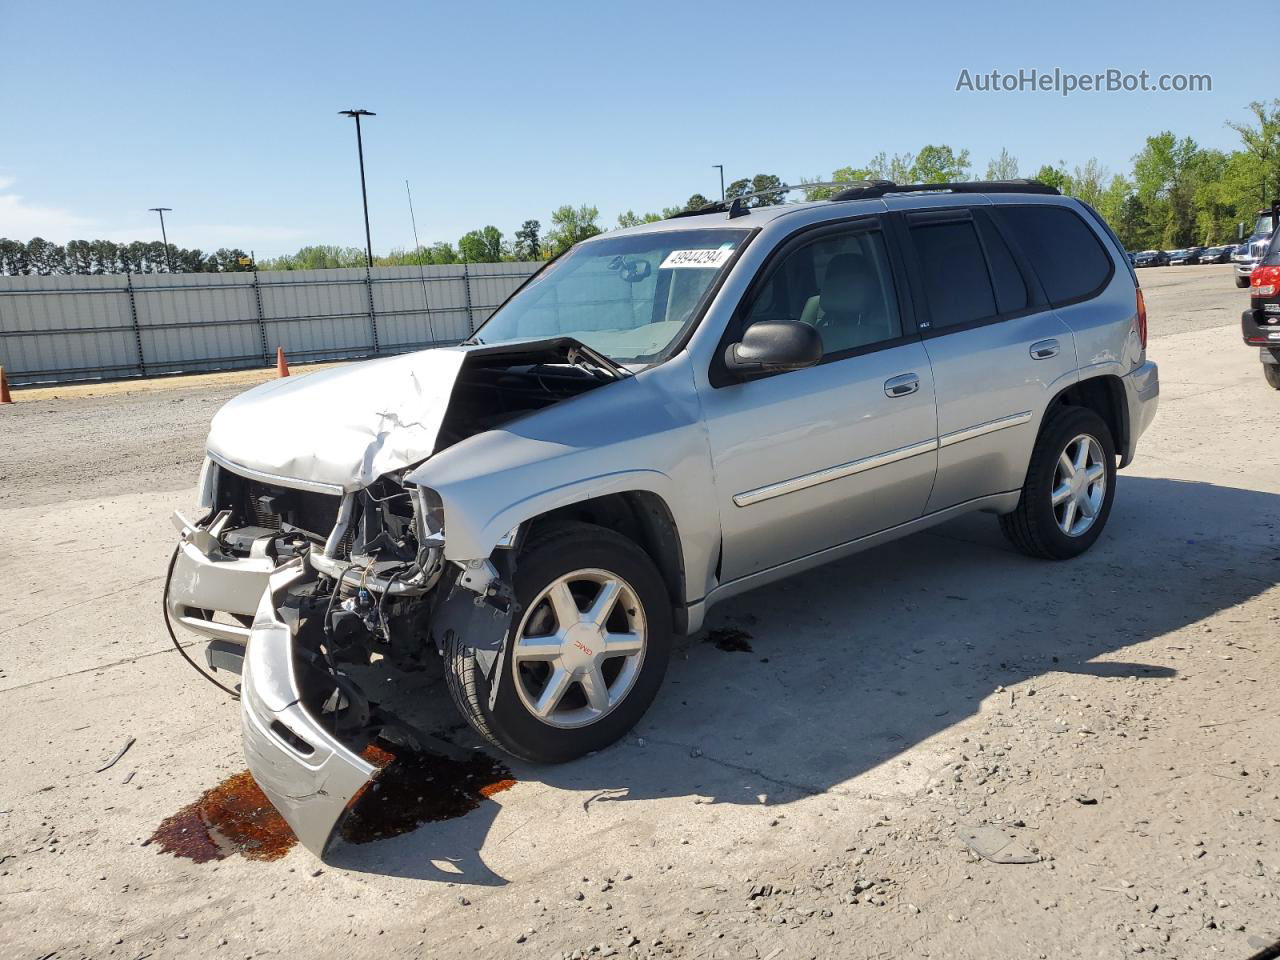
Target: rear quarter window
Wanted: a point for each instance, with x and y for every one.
(1063, 250)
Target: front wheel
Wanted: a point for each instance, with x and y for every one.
(1272, 372)
(586, 652)
(1242, 281)
(1069, 489)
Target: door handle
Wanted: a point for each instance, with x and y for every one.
(1044, 349)
(901, 386)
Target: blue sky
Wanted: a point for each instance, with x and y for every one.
(501, 111)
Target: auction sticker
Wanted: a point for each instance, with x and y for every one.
(700, 259)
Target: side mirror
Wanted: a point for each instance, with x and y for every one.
(773, 346)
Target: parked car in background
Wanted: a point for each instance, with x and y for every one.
(1183, 258)
(659, 420)
(1151, 258)
(1216, 255)
(1260, 324)
(1250, 253)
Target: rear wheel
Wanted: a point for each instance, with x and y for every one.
(1070, 486)
(1272, 372)
(585, 655)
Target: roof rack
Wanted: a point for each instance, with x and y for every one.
(870, 189)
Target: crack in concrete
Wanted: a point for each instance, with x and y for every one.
(804, 788)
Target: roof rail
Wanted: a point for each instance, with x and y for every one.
(870, 189)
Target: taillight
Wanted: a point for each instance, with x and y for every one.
(1142, 319)
(1264, 281)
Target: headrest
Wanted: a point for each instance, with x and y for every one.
(848, 285)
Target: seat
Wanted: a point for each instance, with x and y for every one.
(849, 310)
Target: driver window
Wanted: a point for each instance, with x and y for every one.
(840, 284)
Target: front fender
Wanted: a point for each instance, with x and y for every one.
(644, 434)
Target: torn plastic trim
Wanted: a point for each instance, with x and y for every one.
(307, 773)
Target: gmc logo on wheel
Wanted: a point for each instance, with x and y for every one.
(584, 648)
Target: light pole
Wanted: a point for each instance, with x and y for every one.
(168, 260)
(720, 167)
(364, 193)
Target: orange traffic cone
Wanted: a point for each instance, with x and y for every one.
(282, 365)
(4, 388)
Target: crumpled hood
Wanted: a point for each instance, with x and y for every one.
(343, 427)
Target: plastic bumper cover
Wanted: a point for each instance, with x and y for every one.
(205, 581)
(309, 776)
(1142, 394)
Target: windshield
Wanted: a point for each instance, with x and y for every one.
(628, 297)
(1263, 226)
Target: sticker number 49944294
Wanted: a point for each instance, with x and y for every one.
(698, 259)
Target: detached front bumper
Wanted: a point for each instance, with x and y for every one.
(305, 771)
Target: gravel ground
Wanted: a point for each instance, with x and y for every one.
(1111, 721)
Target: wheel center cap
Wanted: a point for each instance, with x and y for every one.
(582, 644)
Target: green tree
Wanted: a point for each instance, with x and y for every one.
(1262, 141)
(1089, 182)
(528, 242)
(696, 202)
(570, 225)
(1003, 167)
(1162, 172)
(897, 168)
(841, 175)
(939, 164)
(1056, 177)
(481, 246)
(764, 184)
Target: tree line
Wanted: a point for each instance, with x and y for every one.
(1175, 194)
(39, 257)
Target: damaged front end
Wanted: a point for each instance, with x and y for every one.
(374, 593)
(298, 584)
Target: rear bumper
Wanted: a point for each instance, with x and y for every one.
(1142, 396)
(1260, 329)
(305, 771)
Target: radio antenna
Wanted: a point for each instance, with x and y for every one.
(422, 273)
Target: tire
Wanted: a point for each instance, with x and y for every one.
(1272, 372)
(1242, 282)
(575, 727)
(1034, 527)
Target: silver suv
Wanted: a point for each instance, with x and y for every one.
(659, 420)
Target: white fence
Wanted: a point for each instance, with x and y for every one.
(66, 328)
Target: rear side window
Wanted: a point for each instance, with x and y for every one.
(1011, 288)
(1063, 251)
(954, 271)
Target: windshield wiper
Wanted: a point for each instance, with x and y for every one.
(580, 355)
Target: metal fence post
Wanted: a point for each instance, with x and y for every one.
(262, 327)
(466, 286)
(133, 315)
(373, 317)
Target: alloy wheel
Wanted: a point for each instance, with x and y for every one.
(1079, 485)
(579, 648)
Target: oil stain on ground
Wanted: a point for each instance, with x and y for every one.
(418, 788)
(730, 639)
(412, 789)
(233, 817)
